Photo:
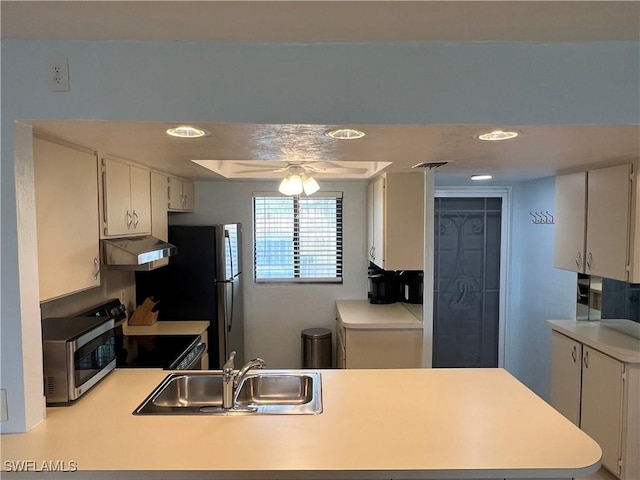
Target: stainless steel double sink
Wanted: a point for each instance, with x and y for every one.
(275, 392)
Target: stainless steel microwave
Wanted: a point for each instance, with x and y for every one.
(77, 353)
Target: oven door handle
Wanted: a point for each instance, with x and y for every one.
(197, 352)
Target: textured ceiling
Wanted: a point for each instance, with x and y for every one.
(537, 152)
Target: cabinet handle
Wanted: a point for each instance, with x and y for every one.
(128, 220)
(574, 354)
(96, 264)
(371, 253)
(585, 359)
(590, 261)
(169, 192)
(579, 260)
(135, 219)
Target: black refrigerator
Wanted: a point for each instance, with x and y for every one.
(203, 281)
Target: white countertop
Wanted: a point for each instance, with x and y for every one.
(376, 424)
(362, 314)
(603, 336)
(187, 327)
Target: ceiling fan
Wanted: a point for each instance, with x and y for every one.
(298, 174)
(299, 167)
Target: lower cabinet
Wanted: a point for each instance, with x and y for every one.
(601, 395)
(378, 348)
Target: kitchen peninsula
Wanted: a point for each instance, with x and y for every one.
(375, 424)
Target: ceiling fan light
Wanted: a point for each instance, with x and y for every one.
(291, 185)
(310, 185)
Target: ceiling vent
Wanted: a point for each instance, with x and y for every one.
(429, 165)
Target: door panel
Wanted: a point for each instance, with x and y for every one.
(467, 281)
(602, 403)
(566, 376)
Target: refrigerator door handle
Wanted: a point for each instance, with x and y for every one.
(233, 289)
(226, 234)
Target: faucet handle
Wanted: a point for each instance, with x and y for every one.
(229, 366)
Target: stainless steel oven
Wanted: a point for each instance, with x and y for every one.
(77, 353)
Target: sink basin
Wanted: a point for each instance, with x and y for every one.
(275, 392)
(191, 390)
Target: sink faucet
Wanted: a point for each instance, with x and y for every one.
(255, 363)
(228, 377)
(232, 379)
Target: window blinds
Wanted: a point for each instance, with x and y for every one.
(298, 239)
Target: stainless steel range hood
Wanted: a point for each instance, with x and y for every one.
(135, 253)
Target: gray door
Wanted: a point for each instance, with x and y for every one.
(466, 281)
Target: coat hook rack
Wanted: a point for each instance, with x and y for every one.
(542, 218)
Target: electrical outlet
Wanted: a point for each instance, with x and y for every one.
(58, 75)
(4, 411)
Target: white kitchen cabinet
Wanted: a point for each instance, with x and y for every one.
(571, 221)
(159, 217)
(181, 194)
(608, 222)
(566, 376)
(600, 394)
(396, 221)
(594, 224)
(66, 188)
(126, 199)
(601, 404)
(377, 336)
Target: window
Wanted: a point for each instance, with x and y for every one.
(297, 239)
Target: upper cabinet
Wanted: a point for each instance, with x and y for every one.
(596, 223)
(126, 199)
(66, 188)
(395, 206)
(181, 194)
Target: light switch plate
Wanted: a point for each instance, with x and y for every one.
(4, 411)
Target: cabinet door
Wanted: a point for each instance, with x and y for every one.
(569, 246)
(602, 397)
(175, 194)
(566, 366)
(608, 217)
(66, 186)
(188, 195)
(116, 183)
(159, 220)
(140, 199)
(378, 222)
(404, 221)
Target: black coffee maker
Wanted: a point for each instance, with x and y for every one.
(384, 286)
(411, 283)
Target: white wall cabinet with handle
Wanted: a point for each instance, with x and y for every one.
(125, 199)
(601, 395)
(66, 188)
(180, 194)
(597, 226)
(395, 205)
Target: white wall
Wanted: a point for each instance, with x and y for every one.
(325, 84)
(274, 315)
(539, 292)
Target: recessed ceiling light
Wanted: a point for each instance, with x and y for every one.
(481, 177)
(345, 134)
(497, 135)
(185, 131)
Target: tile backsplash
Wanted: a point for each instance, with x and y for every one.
(620, 300)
